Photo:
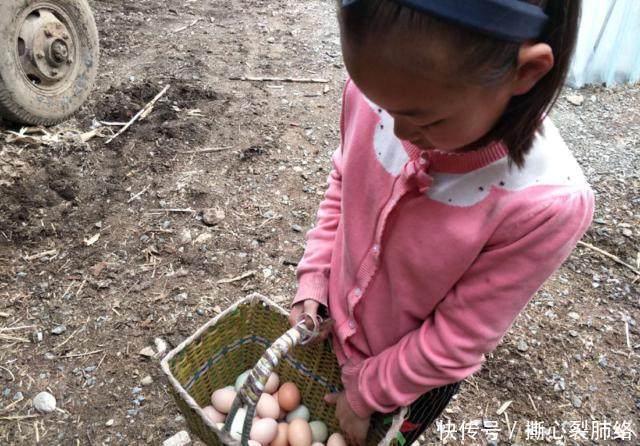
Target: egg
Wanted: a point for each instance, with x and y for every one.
(288, 396)
(319, 431)
(281, 436)
(299, 412)
(317, 444)
(267, 407)
(222, 399)
(241, 379)
(272, 383)
(238, 423)
(253, 443)
(299, 433)
(336, 440)
(264, 430)
(214, 415)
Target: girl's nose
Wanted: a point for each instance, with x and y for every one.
(404, 130)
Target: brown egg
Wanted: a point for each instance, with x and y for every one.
(288, 396)
(281, 437)
(299, 433)
(336, 440)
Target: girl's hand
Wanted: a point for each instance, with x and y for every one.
(354, 427)
(311, 308)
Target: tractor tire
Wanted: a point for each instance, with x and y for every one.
(48, 59)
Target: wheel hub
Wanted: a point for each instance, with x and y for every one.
(45, 48)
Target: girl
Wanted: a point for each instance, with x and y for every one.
(452, 197)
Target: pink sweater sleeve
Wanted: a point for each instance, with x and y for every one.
(313, 269)
(477, 312)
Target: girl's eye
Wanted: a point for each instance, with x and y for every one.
(433, 124)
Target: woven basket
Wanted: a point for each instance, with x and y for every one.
(233, 342)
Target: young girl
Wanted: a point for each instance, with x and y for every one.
(451, 200)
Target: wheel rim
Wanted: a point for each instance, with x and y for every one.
(46, 48)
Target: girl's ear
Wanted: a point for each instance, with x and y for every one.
(535, 60)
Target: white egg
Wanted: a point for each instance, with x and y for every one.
(319, 431)
(264, 430)
(267, 407)
(336, 439)
(300, 412)
(272, 383)
(241, 379)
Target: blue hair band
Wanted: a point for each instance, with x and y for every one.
(511, 20)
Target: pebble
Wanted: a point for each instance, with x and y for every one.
(18, 396)
(200, 311)
(573, 315)
(180, 297)
(573, 333)
(58, 330)
(577, 402)
(180, 439)
(109, 422)
(602, 361)
(212, 216)
(44, 402)
(575, 99)
(146, 381)
(522, 346)
(203, 238)
(166, 224)
(90, 369)
(296, 228)
(6, 392)
(136, 390)
(144, 238)
(37, 336)
(149, 352)
(132, 412)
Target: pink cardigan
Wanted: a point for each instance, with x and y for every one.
(425, 258)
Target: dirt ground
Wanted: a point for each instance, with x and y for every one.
(571, 359)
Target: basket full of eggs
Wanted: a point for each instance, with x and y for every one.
(240, 379)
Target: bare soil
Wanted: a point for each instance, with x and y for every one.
(154, 273)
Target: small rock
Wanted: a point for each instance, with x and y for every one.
(573, 333)
(573, 315)
(58, 330)
(627, 232)
(149, 352)
(575, 99)
(203, 238)
(146, 381)
(180, 439)
(522, 346)
(37, 337)
(593, 387)
(200, 312)
(18, 396)
(44, 402)
(132, 412)
(6, 392)
(212, 216)
(144, 238)
(296, 228)
(109, 422)
(166, 224)
(602, 361)
(577, 402)
(185, 236)
(271, 40)
(180, 297)
(98, 224)
(90, 369)
(161, 345)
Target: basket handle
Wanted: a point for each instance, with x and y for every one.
(307, 328)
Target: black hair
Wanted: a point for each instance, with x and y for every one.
(483, 58)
